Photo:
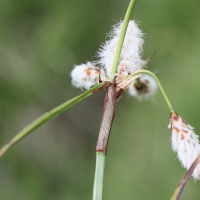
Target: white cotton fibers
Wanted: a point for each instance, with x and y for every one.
(130, 58)
(185, 142)
(85, 76)
(146, 90)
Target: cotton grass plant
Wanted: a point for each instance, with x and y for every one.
(119, 69)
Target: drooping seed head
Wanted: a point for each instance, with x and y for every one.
(185, 142)
(147, 89)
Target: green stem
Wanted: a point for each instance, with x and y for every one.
(159, 85)
(102, 143)
(99, 174)
(47, 117)
(138, 83)
(121, 38)
(108, 114)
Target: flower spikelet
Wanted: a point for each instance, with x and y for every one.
(130, 58)
(85, 76)
(185, 142)
(148, 87)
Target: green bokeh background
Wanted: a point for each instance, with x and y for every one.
(40, 41)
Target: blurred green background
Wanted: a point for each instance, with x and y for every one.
(40, 41)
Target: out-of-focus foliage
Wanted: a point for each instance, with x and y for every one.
(40, 41)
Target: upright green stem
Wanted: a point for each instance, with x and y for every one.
(159, 85)
(108, 113)
(102, 143)
(121, 38)
(99, 174)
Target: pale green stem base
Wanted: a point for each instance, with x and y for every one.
(99, 174)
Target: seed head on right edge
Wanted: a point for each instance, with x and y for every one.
(185, 142)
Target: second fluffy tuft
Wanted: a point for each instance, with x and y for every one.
(130, 58)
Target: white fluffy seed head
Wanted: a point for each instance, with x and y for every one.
(148, 88)
(85, 76)
(185, 142)
(130, 58)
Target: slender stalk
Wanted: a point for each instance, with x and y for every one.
(159, 85)
(105, 128)
(47, 117)
(99, 174)
(150, 57)
(108, 113)
(121, 38)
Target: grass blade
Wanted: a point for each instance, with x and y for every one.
(47, 117)
(184, 181)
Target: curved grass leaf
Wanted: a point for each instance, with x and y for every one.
(184, 181)
(47, 117)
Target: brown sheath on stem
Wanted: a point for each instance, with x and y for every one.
(107, 119)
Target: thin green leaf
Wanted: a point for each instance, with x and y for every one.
(184, 181)
(47, 117)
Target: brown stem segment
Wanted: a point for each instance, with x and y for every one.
(107, 119)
